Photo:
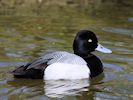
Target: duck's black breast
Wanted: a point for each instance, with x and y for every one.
(95, 65)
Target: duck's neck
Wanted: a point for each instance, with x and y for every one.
(94, 63)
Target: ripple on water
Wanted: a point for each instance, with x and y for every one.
(114, 67)
(118, 30)
(130, 19)
(7, 64)
(128, 77)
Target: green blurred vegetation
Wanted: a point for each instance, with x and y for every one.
(40, 7)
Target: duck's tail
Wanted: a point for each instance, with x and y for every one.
(23, 72)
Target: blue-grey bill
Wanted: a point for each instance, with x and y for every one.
(103, 49)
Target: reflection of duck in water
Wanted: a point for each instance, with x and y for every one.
(62, 88)
(55, 88)
(63, 65)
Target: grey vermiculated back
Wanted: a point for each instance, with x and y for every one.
(64, 57)
(57, 57)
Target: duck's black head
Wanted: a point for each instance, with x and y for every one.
(86, 42)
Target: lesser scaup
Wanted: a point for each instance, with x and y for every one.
(64, 65)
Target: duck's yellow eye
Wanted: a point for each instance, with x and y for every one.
(90, 40)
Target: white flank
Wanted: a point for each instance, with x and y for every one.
(58, 71)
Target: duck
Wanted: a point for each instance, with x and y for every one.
(58, 65)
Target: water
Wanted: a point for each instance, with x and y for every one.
(28, 33)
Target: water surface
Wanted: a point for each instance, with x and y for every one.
(28, 33)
